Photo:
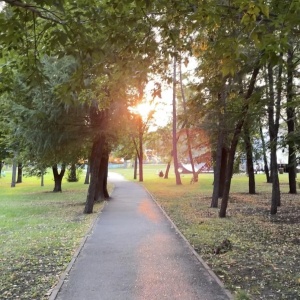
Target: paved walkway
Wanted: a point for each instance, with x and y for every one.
(134, 253)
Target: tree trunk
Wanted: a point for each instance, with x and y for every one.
(87, 175)
(188, 139)
(290, 111)
(275, 183)
(249, 156)
(273, 132)
(135, 167)
(174, 128)
(20, 173)
(141, 151)
(234, 142)
(224, 164)
(58, 177)
(100, 194)
(1, 166)
(217, 172)
(221, 155)
(229, 170)
(266, 168)
(14, 174)
(72, 176)
(42, 179)
(96, 156)
(166, 176)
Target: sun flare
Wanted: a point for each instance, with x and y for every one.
(144, 109)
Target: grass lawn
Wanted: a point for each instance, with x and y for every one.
(263, 261)
(39, 232)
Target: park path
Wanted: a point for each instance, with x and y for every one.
(134, 253)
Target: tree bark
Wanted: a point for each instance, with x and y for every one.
(20, 173)
(221, 155)
(135, 167)
(1, 166)
(141, 151)
(58, 177)
(174, 127)
(234, 142)
(224, 164)
(42, 179)
(14, 174)
(100, 194)
(188, 139)
(96, 156)
(166, 176)
(249, 158)
(273, 132)
(290, 111)
(266, 168)
(219, 175)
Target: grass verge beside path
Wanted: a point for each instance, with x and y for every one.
(263, 258)
(39, 232)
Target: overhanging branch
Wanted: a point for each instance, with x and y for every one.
(40, 12)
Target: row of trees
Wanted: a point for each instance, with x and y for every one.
(70, 70)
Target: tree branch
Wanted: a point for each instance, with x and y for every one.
(38, 11)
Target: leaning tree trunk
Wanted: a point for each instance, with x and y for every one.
(20, 173)
(234, 143)
(58, 177)
(229, 169)
(166, 176)
(96, 156)
(290, 111)
(249, 158)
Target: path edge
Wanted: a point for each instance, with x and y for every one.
(199, 258)
(55, 290)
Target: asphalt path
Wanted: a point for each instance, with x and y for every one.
(134, 252)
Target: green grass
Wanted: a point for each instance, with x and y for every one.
(264, 261)
(40, 231)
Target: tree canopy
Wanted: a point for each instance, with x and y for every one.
(69, 70)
